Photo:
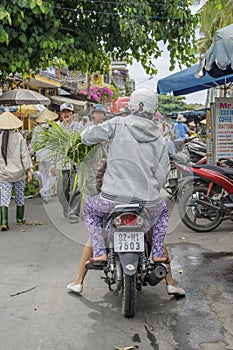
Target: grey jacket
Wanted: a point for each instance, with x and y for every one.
(138, 162)
(18, 158)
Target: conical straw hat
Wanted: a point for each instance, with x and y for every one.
(8, 121)
(46, 114)
(192, 124)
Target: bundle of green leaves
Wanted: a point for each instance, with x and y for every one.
(61, 145)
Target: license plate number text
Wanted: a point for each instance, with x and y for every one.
(129, 241)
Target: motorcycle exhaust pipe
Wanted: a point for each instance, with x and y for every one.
(159, 273)
(212, 206)
(226, 207)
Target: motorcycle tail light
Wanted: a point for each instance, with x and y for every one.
(129, 219)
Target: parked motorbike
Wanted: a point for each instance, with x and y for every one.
(179, 171)
(174, 175)
(205, 196)
(128, 267)
(196, 148)
(180, 154)
(192, 150)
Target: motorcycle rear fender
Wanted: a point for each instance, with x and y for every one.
(129, 262)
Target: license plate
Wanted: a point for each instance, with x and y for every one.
(173, 174)
(128, 242)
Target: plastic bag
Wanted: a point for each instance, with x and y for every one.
(91, 171)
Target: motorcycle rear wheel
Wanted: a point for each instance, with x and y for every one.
(198, 217)
(129, 296)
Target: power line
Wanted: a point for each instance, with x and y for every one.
(122, 2)
(112, 13)
(134, 3)
(150, 78)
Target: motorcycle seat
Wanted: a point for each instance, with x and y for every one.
(126, 208)
(224, 171)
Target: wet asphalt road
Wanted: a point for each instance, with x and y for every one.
(39, 259)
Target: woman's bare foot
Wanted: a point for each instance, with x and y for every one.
(76, 282)
(103, 257)
(160, 259)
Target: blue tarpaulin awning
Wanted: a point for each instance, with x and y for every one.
(184, 82)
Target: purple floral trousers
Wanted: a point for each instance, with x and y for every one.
(97, 208)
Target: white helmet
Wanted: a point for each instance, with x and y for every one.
(143, 100)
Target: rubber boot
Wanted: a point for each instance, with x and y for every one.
(4, 218)
(20, 215)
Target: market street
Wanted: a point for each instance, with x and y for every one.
(37, 312)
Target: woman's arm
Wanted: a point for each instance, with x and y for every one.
(100, 133)
(29, 175)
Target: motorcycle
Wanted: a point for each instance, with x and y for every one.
(172, 179)
(128, 267)
(179, 170)
(196, 148)
(191, 150)
(179, 154)
(205, 196)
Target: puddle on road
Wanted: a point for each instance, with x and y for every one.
(195, 259)
(217, 255)
(163, 322)
(203, 272)
(227, 272)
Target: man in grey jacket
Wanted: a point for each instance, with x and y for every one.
(137, 168)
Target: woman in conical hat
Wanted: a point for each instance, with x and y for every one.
(15, 160)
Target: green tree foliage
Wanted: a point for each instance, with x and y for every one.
(168, 104)
(214, 14)
(86, 34)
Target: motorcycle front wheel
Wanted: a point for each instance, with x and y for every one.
(129, 296)
(199, 217)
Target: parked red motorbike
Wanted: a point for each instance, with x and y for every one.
(205, 196)
(179, 171)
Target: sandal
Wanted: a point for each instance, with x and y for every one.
(175, 290)
(77, 288)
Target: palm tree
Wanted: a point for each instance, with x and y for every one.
(214, 14)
